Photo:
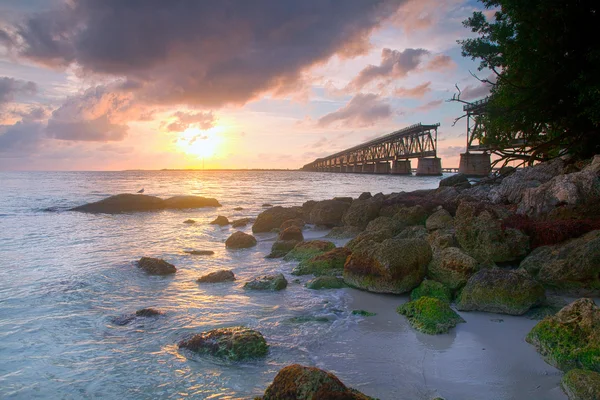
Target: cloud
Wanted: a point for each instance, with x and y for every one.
(9, 88)
(430, 105)
(474, 92)
(394, 64)
(415, 92)
(202, 120)
(204, 53)
(20, 139)
(451, 151)
(361, 111)
(440, 63)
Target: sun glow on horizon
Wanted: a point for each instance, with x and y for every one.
(200, 143)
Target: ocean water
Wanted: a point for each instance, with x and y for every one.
(64, 276)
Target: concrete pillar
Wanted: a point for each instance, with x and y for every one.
(382, 167)
(429, 166)
(401, 167)
(368, 168)
(475, 164)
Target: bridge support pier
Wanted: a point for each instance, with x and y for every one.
(382, 167)
(429, 166)
(475, 164)
(401, 167)
(368, 168)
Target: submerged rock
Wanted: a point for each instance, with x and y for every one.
(267, 282)
(291, 233)
(393, 266)
(240, 240)
(200, 252)
(501, 291)
(363, 313)
(326, 282)
(329, 263)
(281, 247)
(308, 383)
(181, 202)
(220, 220)
(571, 338)
(306, 250)
(579, 384)
(127, 202)
(430, 315)
(274, 217)
(189, 221)
(328, 212)
(236, 343)
(222, 275)
(238, 208)
(156, 266)
(143, 313)
(429, 288)
(452, 267)
(571, 267)
(148, 312)
(241, 222)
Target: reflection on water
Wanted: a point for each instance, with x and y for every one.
(65, 276)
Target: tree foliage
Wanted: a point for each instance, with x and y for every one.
(546, 57)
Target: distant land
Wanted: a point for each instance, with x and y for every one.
(215, 169)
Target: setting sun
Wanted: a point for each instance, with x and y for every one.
(200, 143)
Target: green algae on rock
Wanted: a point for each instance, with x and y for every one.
(326, 282)
(579, 384)
(329, 263)
(235, 343)
(281, 247)
(298, 382)
(306, 250)
(429, 288)
(501, 291)
(571, 338)
(430, 315)
(452, 267)
(267, 282)
(363, 313)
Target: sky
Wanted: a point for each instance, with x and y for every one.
(153, 84)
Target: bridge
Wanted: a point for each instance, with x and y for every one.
(388, 154)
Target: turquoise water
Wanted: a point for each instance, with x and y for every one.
(64, 276)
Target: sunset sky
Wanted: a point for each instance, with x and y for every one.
(152, 84)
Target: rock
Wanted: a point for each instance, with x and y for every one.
(189, 221)
(413, 232)
(241, 222)
(344, 199)
(579, 384)
(409, 216)
(273, 218)
(326, 282)
(387, 224)
(237, 343)
(429, 288)
(281, 247)
(366, 238)
(343, 232)
(238, 209)
(128, 318)
(181, 202)
(148, 312)
(441, 239)
(221, 221)
(307, 250)
(328, 212)
(200, 252)
(455, 180)
(329, 263)
(571, 338)
(123, 203)
(452, 267)
(266, 205)
(365, 196)
(302, 319)
(363, 313)
(307, 208)
(501, 291)
(156, 266)
(480, 233)
(307, 383)
(430, 315)
(572, 266)
(441, 219)
(267, 282)
(291, 233)
(222, 275)
(361, 212)
(297, 222)
(240, 240)
(393, 266)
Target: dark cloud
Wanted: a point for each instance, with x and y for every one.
(416, 92)
(9, 88)
(94, 130)
(20, 139)
(475, 92)
(207, 53)
(202, 120)
(394, 64)
(361, 111)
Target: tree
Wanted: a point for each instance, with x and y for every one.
(546, 56)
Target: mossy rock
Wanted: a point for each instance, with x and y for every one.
(441, 219)
(361, 212)
(430, 315)
(308, 383)
(326, 282)
(409, 216)
(240, 240)
(452, 267)
(413, 232)
(281, 247)
(386, 224)
(442, 239)
(571, 338)
(429, 288)
(365, 238)
(581, 385)
(329, 263)
(235, 343)
(307, 250)
(307, 318)
(363, 313)
(344, 232)
(501, 291)
(267, 282)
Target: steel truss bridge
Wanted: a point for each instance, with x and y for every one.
(416, 141)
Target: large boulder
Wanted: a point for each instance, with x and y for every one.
(298, 222)
(297, 382)
(365, 238)
(572, 267)
(238, 223)
(135, 202)
(329, 212)
(429, 288)
(236, 343)
(501, 291)
(413, 232)
(409, 216)
(281, 247)
(223, 275)
(579, 384)
(181, 202)
(274, 217)
(291, 233)
(393, 266)
(459, 180)
(306, 250)
(441, 239)
(156, 266)
(240, 240)
(361, 212)
(267, 282)
(329, 263)
(452, 267)
(387, 224)
(326, 282)
(441, 219)
(430, 315)
(344, 232)
(571, 338)
(220, 220)
(480, 233)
